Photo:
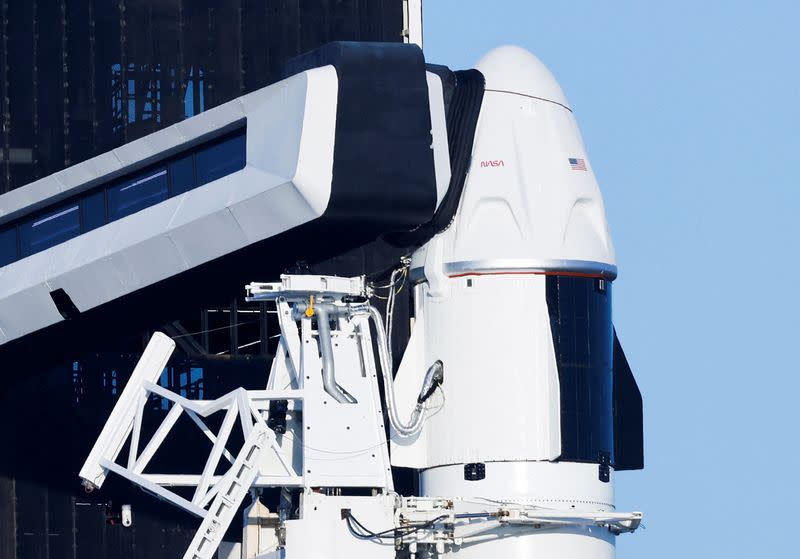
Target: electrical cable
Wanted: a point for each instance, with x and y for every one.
(392, 533)
(226, 327)
(417, 414)
(402, 274)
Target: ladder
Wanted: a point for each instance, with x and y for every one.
(231, 493)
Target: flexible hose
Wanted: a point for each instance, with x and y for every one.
(417, 416)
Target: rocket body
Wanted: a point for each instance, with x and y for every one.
(514, 297)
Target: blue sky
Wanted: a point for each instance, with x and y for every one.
(690, 111)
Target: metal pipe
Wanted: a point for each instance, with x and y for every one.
(326, 350)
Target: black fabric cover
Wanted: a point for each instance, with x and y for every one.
(463, 95)
(383, 170)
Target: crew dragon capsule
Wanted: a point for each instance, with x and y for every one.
(515, 298)
(452, 316)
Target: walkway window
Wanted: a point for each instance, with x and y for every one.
(182, 174)
(50, 229)
(119, 198)
(137, 193)
(224, 158)
(93, 211)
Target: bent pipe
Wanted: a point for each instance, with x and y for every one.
(326, 350)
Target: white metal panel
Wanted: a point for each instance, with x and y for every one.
(411, 452)
(27, 311)
(147, 262)
(97, 280)
(214, 197)
(135, 151)
(279, 113)
(322, 533)
(113, 260)
(90, 170)
(548, 486)
(494, 339)
(221, 234)
(29, 195)
(150, 144)
(345, 444)
(315, 154)
(214, 119)
(269, 213)
(141, 255)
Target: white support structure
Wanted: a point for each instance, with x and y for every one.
(238, 405)
(325, 442)
(128, 411)
(260, 462)
(332, 439)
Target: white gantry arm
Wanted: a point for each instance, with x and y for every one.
(239, 406)
(217, 497)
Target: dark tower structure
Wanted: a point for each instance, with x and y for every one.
(79, 78)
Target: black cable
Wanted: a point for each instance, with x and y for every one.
(392, 533)
(370, 535)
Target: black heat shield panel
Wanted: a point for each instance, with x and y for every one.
(383, 169)
(628, 418)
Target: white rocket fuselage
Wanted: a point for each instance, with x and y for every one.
(530, 213)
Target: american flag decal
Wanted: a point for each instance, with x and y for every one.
(577, 164)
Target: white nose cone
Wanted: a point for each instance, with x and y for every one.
(515, 70)
(530, 201)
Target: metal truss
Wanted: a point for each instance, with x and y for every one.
(216, 497)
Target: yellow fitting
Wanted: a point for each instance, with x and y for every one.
(310, 309)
